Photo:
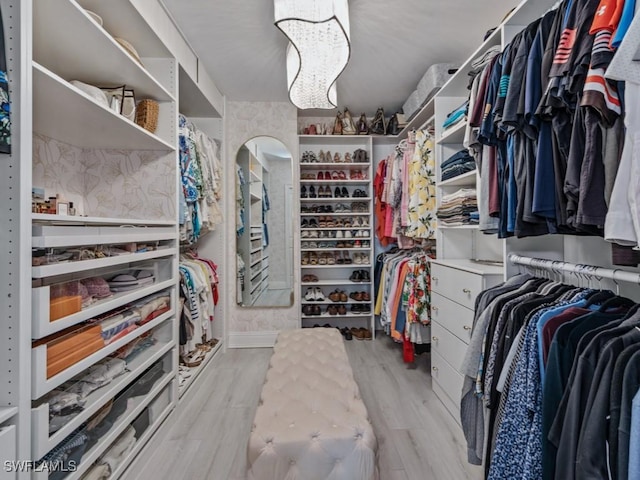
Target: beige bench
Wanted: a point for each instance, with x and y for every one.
(311, 423)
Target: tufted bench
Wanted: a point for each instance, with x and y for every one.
(311, 423)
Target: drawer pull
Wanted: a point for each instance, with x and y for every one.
(435, 279)
(466, 290)
(467, 327)
(435, 339)
(435, 369)
(435, 309)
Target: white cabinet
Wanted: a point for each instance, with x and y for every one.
(455, 284)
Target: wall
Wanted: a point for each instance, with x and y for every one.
(249, 327)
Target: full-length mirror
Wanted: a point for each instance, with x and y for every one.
(264, 224)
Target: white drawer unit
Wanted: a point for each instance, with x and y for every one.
(447, 345)
(458, 319)
(455, 284)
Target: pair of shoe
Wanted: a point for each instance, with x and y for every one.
(343, 258)
(357, 175)
(361, 333)
(344, 234)
(309, 278)
(363, 308)
(362, 234)
(311, 310)
(360, 296)
(361, 258)
(338, 296)
(342, 208)
(361, 244)
(314, 294)
(359, 207)
(346, 333)
(341, 192)
(309, 157)
(360, 222)
(359, 194)
(360, 276)
(324, 192)
(311, 193)
(337, 310)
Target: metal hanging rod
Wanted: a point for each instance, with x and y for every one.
(557, 266)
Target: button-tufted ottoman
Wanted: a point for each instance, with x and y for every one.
(311, 423)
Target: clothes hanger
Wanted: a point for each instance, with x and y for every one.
(617, 302)
(615, 281)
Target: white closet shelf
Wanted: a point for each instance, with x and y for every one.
(466, 179)
(42, 327)
(342, 214)
(134, 408)
(359, 140)
(341, 281)
(357, 249)
(84, 265)
(41, 385)
(329, 302)
(334, 166)
(471, 266)
(459, 227)
(256, 250)
(67, 40)
(6, 413)
(342, 265)
(348, 315)
(42, 443)
(77, 220)
(256, 262)
(45, 236)
(454, 135)
(141, 442)
(182, 389)
(334, 183)
(60, 110)
(424, 116)
(333, 230)
(333, 199)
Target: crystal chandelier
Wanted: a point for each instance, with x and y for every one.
(319, 48)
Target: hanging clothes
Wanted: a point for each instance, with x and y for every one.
(5, 104)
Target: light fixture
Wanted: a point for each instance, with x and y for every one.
(319, 48)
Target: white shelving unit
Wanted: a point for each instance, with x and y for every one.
(337, 276)
(66, 142)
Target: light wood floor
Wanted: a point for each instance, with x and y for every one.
(207, 437)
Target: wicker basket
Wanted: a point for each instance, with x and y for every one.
(147, 115)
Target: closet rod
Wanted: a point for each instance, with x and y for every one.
(587, 270)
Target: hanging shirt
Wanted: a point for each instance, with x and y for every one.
(5, 104)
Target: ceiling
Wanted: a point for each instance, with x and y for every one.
(393, 43)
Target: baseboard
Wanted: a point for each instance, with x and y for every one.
(252, 339)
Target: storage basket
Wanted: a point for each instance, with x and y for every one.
(147, 115)
(411, 106)
(433, 80)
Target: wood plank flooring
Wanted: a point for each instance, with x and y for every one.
(207, 437)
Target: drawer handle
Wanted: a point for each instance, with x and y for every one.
(435, 369)
(435, 309)
(467, 327)
(435, 279)
(435, 339)
(467, 291)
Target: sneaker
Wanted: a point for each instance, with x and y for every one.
(339, 234)
(319, 295)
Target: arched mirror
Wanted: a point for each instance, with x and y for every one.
(264, 224)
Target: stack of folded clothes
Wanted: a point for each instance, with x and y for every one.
(457, 116)
(458, 164)
(459, 208)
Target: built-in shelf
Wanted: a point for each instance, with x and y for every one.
(49, 236)
(6, 413)
(335, 249)
(329, 302)
(454, 134)
(341, 281)
(478, 268)
(334, 199)
(348, 315)
(68, 39)
(63, 268)
(60, 109)
(424, 116)
(334, 165)
(459, 227)
(77, 220)
(342, 265)
(464, 180)
(334, 214)
(332, 229)
(335, 182)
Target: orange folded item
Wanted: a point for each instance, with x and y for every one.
(63, 306)
(73, 357)
(74, 340)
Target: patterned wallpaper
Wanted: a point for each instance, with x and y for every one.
(107, 183)
(245, 120)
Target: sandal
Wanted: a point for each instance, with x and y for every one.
(335, 175)
(347, 158)
(328, 157)
(322, 260)
(342, 175)
(331, 259)
(305, 258)
(309, 278)
(313, 258)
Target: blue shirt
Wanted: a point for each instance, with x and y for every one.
(634, 445)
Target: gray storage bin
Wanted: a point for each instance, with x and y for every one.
(433, 80)
(411, 106)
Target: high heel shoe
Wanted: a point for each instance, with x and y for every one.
(303, 192)
(321, 157)
(327, 157)
(336, 158)
(347, 158)
(312, 192)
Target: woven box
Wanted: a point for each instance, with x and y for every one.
(147, 114)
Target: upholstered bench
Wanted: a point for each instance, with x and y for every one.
(311, 423)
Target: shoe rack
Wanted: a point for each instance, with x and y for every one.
(336, 231)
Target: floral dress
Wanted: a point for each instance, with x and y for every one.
(422, 189)
(417, 286)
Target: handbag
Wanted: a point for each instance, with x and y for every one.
(379, 125)
(337, 125)
(122, 100)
